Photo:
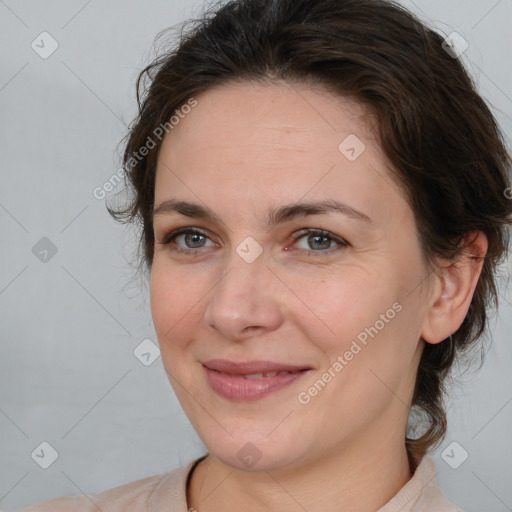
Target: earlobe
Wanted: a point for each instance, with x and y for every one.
(455, 285)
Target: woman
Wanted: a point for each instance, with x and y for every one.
(322, 195)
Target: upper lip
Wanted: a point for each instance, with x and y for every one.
(250, 367)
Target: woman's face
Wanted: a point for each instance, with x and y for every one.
(341, 306)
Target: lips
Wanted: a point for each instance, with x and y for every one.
(250, 380)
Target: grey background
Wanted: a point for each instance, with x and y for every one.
(69, 326)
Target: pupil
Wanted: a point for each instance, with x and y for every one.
(195, 238)
(317, 238)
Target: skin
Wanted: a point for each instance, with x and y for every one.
(247, 148)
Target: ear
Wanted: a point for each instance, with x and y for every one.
(454, 287)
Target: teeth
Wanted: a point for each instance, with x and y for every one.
(257, 375)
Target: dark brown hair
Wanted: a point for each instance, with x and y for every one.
(444, 146)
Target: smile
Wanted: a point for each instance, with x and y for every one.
(252, 385)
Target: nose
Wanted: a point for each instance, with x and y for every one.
(245, 300)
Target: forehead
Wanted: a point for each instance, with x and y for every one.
(274, 141)
(273, 113)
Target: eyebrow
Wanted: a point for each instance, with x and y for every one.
(274, 216)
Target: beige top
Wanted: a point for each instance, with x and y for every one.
(167, 493)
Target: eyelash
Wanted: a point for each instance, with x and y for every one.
(170, 237)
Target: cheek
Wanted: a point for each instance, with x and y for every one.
(173, 302)
(336, 309)
(163, 302)
(361, 321)
(175, 308)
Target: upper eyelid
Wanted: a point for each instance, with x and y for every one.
(174, 233)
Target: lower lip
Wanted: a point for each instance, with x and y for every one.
(240, 388)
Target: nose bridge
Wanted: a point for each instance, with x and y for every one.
(244, 296)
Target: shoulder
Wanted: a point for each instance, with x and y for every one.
(432, 497)
(135, 494)
(421, 494)
(145, 495)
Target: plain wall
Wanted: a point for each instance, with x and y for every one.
(69, 325)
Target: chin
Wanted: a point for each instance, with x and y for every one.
(252, 459)
(254, 452)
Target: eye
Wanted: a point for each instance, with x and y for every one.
(189, 241)
(318, 241)
(192, 239)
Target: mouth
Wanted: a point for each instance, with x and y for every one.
(251, 380)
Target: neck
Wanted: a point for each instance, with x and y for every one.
(361, 476)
